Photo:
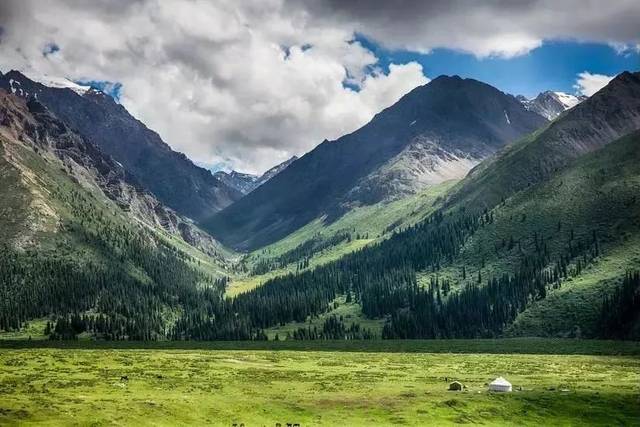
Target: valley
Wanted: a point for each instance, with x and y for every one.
(318, 212)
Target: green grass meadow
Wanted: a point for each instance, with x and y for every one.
(319, 383)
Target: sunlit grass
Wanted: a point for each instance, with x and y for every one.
(255, 387)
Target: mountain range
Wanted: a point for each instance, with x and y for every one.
(245, 183)
(170, 176)
(459, 211)
(538, 240)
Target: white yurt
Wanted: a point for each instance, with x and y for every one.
(500, 384)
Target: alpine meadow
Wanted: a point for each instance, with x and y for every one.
(297, 213)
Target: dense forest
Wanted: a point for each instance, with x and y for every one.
(105, 300)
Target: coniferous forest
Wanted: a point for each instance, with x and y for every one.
(106, 302)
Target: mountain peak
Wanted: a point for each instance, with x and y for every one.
(435, 133)
(447, 78)
(550, 104)
(17, 79)
(245, 183)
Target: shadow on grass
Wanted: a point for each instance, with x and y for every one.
(490, 346)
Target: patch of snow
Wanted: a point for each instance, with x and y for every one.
(506, 116)
(59, 82)
(568, 101)
(412, 123)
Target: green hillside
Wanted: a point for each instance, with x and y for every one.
(598, 196)
(540, 261)
(322, 241)
(68, 250)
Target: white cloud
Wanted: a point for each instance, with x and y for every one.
(588, 84)
(251, 83)
(248, 84)
(483, 28)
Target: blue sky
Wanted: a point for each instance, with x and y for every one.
(113, 89)
(553, 66)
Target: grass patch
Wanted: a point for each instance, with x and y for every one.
(31, 330)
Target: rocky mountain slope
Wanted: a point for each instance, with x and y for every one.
(245, 183)
(551, 104)
(81, 239)
(28, 125)
(169, 175)
(436, 132)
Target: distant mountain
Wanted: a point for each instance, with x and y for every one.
(551, 104)
(246, 182)
(242, 182)
(434, 133)
(169, 175)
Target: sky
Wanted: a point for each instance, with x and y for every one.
(247, 84)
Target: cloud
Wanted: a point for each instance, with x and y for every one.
(625, 48)
(588, 84)
(251, 83)
(484, 28)
(248, 84)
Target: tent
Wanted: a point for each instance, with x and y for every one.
(500, 384)
(456, 386)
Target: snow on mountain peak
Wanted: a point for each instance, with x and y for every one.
(58, 82)
(569, 101)
(550, 104)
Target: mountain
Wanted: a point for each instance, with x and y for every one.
(434, 133)
(609, 114)
(30, 124)
(169, 175)
(81, 238)
(245, 183)
(541, 240)
(241, 182)
(551, 104)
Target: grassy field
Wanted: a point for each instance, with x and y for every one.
(362, 384)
